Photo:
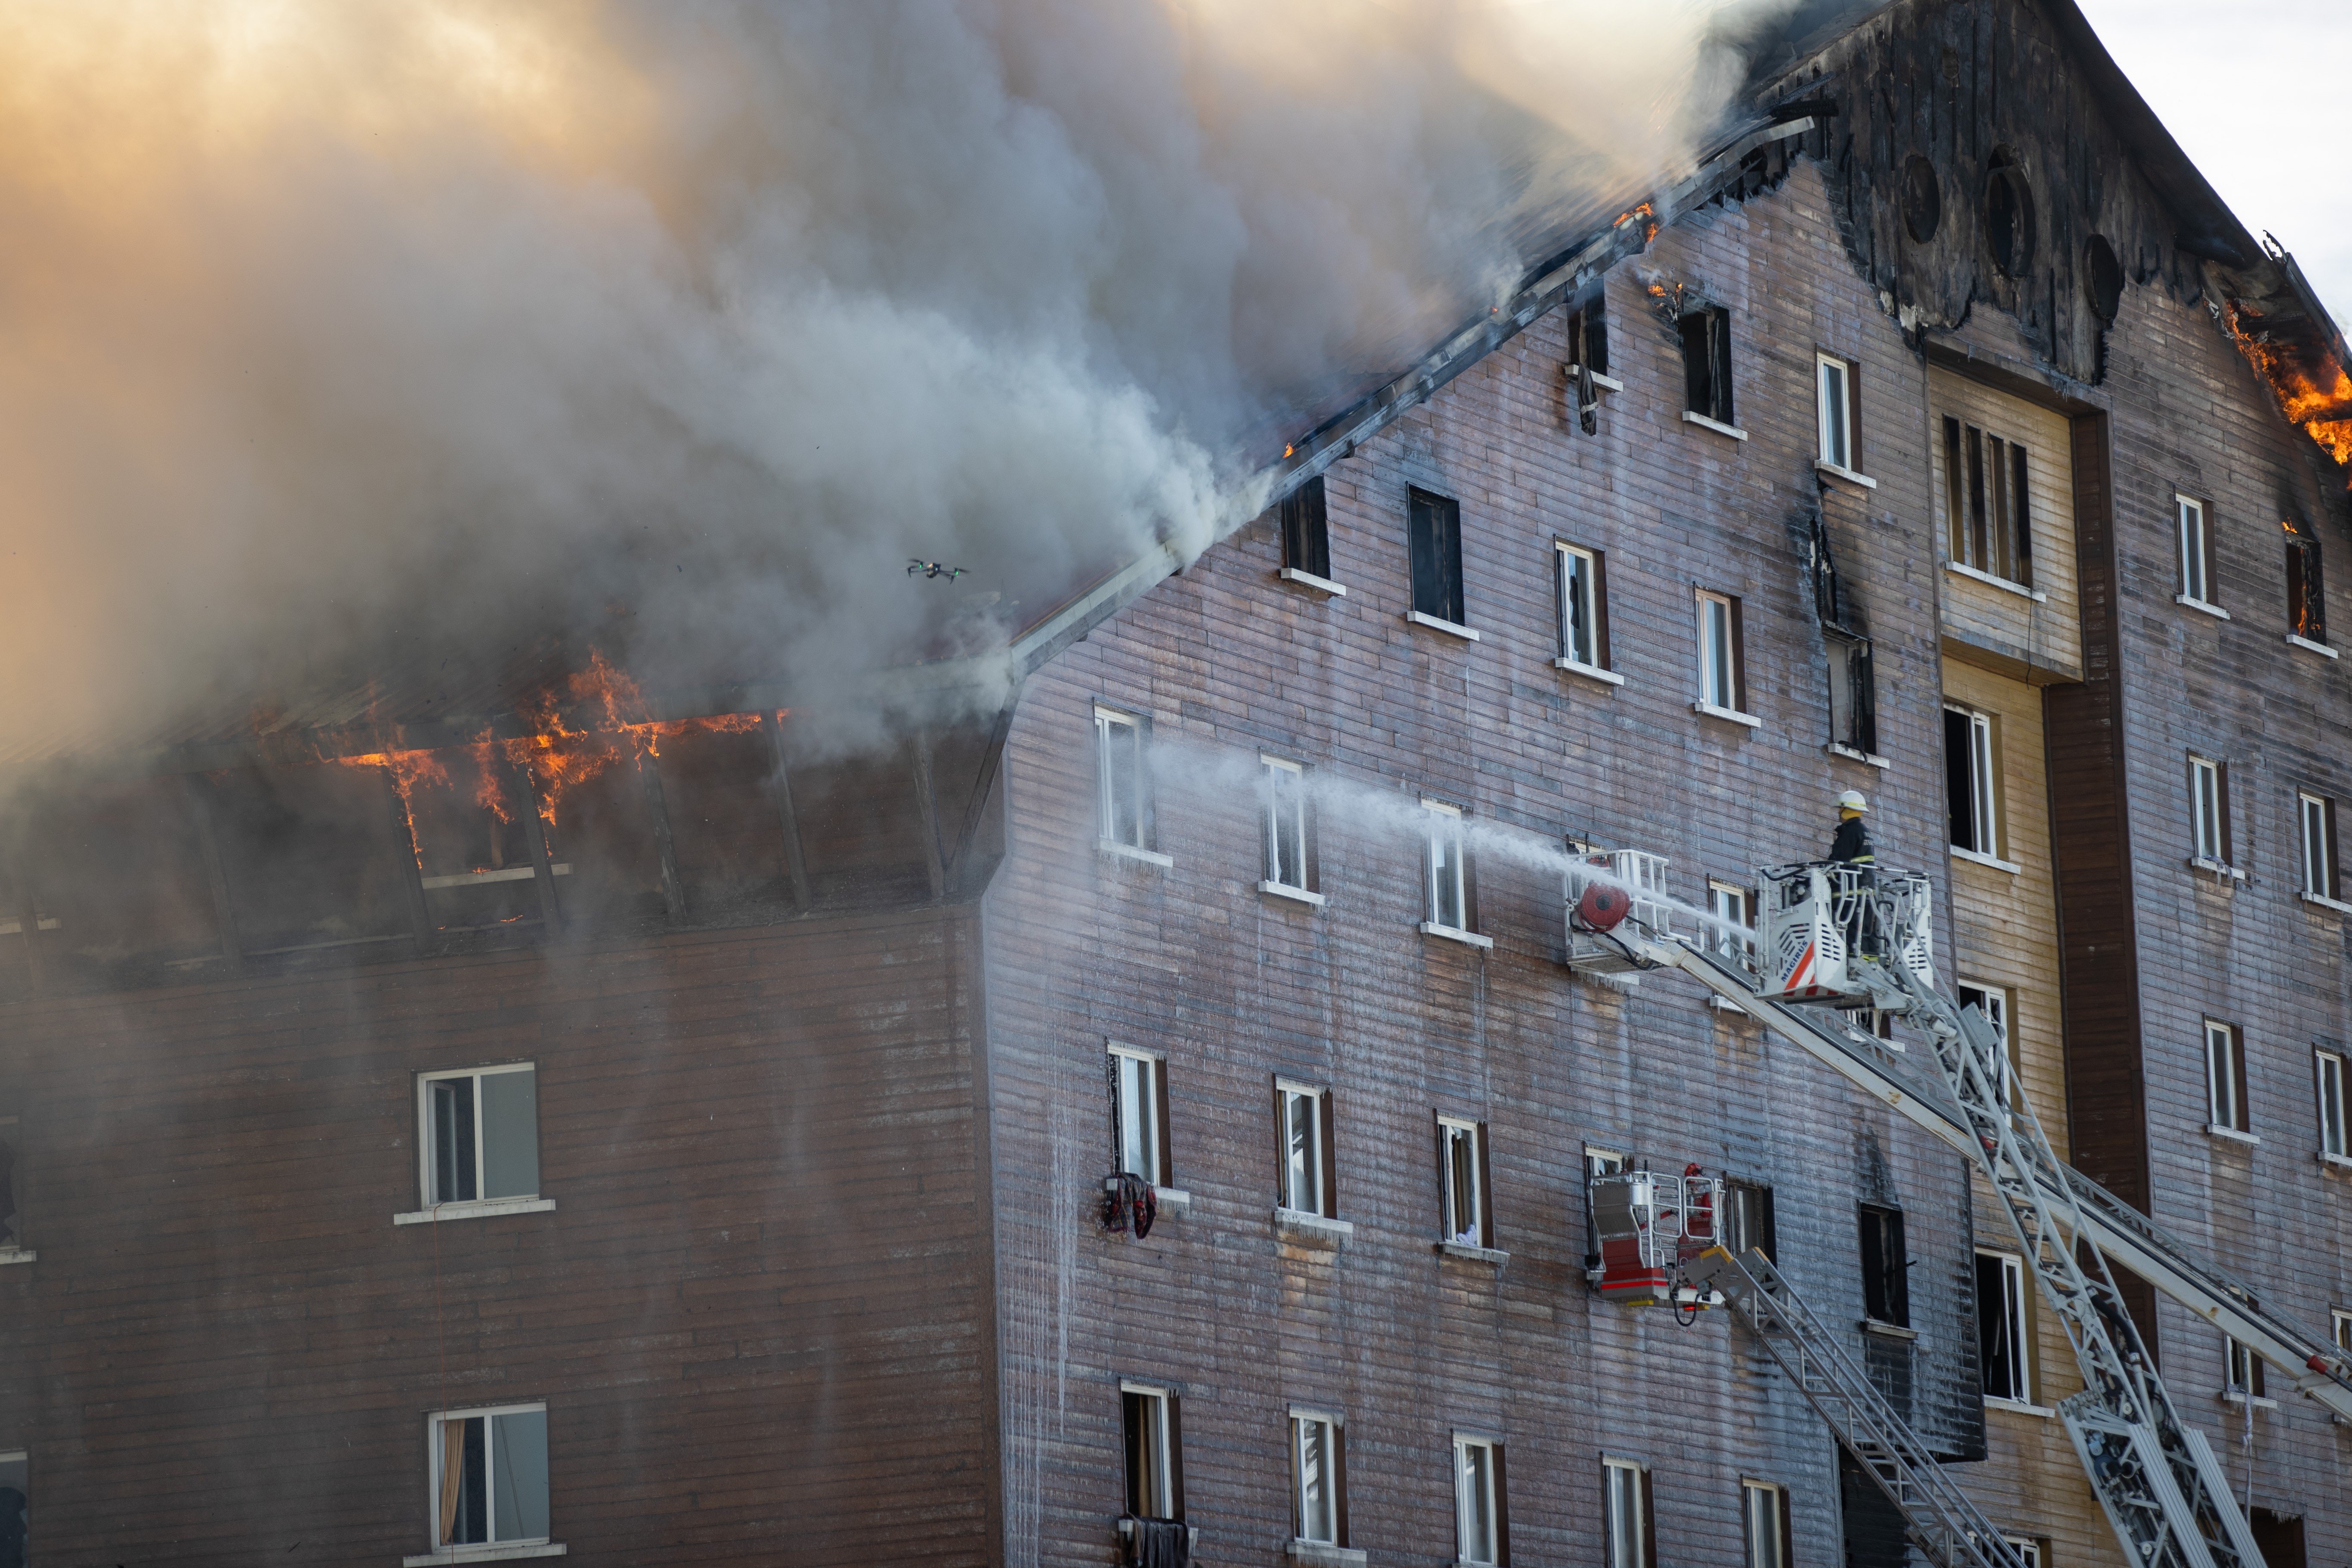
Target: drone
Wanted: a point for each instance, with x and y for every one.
(934, 569)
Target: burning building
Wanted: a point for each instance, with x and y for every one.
(1155, 1103)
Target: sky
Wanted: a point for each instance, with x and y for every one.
(2249, 91)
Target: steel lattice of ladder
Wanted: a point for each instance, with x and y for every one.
(1946, 1526)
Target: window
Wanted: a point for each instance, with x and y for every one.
(1448, 871)
(2316, 816)
(1625, 1513)
(1747, 1218)
(2028, 1549)
(2196, 551)
(16, 1492)
(1722, 684)
(1835, 384)
(1764, 1509)
(2208, 810)
(1155, 1474)
(1731, 906)
(1972, 780)
(2339, 1327)
(2306, 595)
(1125, 815)
(1305, 530)
(1588, 336)
(1434, 523)
(2244, 1367)
(488, 1474)
(1583, 606)
(1303, 1116)
(1286, 823)
(1886, 1268)
(1993, 1001)
(1988, 505)
(1480, 1534)
(1707, 363)
(480, 1138)
(1138, 1108)
(1598, 1162)
(2329, 1068)
(1853, 692)
(2225, 1076)
(1462, 1170)
(1317, 1474)
(2004, 1341)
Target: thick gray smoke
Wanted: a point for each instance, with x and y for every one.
(391, 338)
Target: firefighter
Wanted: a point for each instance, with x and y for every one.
(1852, 847)
(1853, 843)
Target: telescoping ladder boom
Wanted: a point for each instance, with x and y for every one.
(2157, 1479)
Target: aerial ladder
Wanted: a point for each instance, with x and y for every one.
(1830, 937)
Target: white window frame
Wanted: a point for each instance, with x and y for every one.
(1625, 1535)
(1157, 1444)
(2334, 1137)
(1984, 782)
(1763, 1516)
(2196, 550)
(2239, 1368)
(1317, 1101)
(1993, 1002)
(429, 1144)
(1833, 409)
(2339, 1327)
(1305, 1426)
(1457, 1134)
(1729, 902)
(2205, 811)
(1579, 601)
(1475, 1489)
(1284, 784)
(1441, 870)
(1142, 1075)
(2028, 1549)
(446, 1552)
(2223, 1046)
(2314, 815)
(1718, 654)
(1112, 729)
(2016, 1305)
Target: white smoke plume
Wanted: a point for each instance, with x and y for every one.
(386, 338)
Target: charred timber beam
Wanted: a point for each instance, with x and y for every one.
(542, 868)
(927, 807)
(780, 791)
(28, 922)
(983, 781)
(412, 871)
(200, 811)
(673, 888)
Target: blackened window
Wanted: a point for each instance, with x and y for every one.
(1435, 525)
(2306, 602)
(1707, 363)
(1853, 695)
(1305, 534)
(1747, 1218)
(1588, 336)
(1886, 1268)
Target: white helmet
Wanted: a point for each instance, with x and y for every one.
(1851, 801)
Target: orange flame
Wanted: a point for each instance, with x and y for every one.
(561, 758)
(2321, 404)
(409, 769)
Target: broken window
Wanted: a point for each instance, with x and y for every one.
(1434, 525)
(1854, 694)
(1445, 868)
(1123, 781)
(1972, 779)
(1480, 1535)
(1155, 1474)
(1764, 1512)
(1988, 503)
(1993, 1001)
(489, 1475)
(2315, 823)
(2306, 597)
(1462, 1170)
(479, 1134)
(1598, 1162)
(1317, 1472)
(2339, 1328)
(1722, 683)
(1303, 1123)
(1140, 1114)
(1885, 1266)
(1285, 824)
(16, 1493)
(1305, 530)
(2245, 1369)
(2225, 1076)
(1707, 363)
(2208, 811)
(2329, 1068)
(1626, 1511)
(2004, 1344)
(1836, 385)
(1583, 606)
(1588, 337)
(2196, 540)
(2008, 217)
(1747, 1218)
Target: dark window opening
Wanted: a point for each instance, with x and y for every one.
(2009, 220)
(1435, 528)
(1707, 363)
(1989, 503)
(2000, 1327)
(2307, 599)
(1588, 336)
(1154, 1444)
(1923, 200)
(1747, 1219)
(2279, 1537)
(1305, 530)
(2102, 277)
(1886, 1268)
(1853, 699)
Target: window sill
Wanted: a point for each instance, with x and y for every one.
(1127, 1531)
(1978, 574)
(1704, 423)
(1323, 585)
(1889, 1331)
(1296, 895)
(1318, 1555)
(499, 1553)
(1823, 465)
(1114, 848)
(1873, 758)
(1452, 933)
(2019, 1406)
(2333, 1161)
(1995, 861)
(1590, 672)
(1733, 714)
(2322, 901)
(2215, 1130)
(2216, 611)
(2320, 648)
(1605, 383)
(487, 1209)
(510, 874)
(17, 1254)
(1171, 1200)
(2219, 868)
(1312, 1227)
(2233, 1397)
(16, 928)
(1469, 1254)
(1451, 628)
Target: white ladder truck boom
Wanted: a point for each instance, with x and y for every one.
(1850, 937)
